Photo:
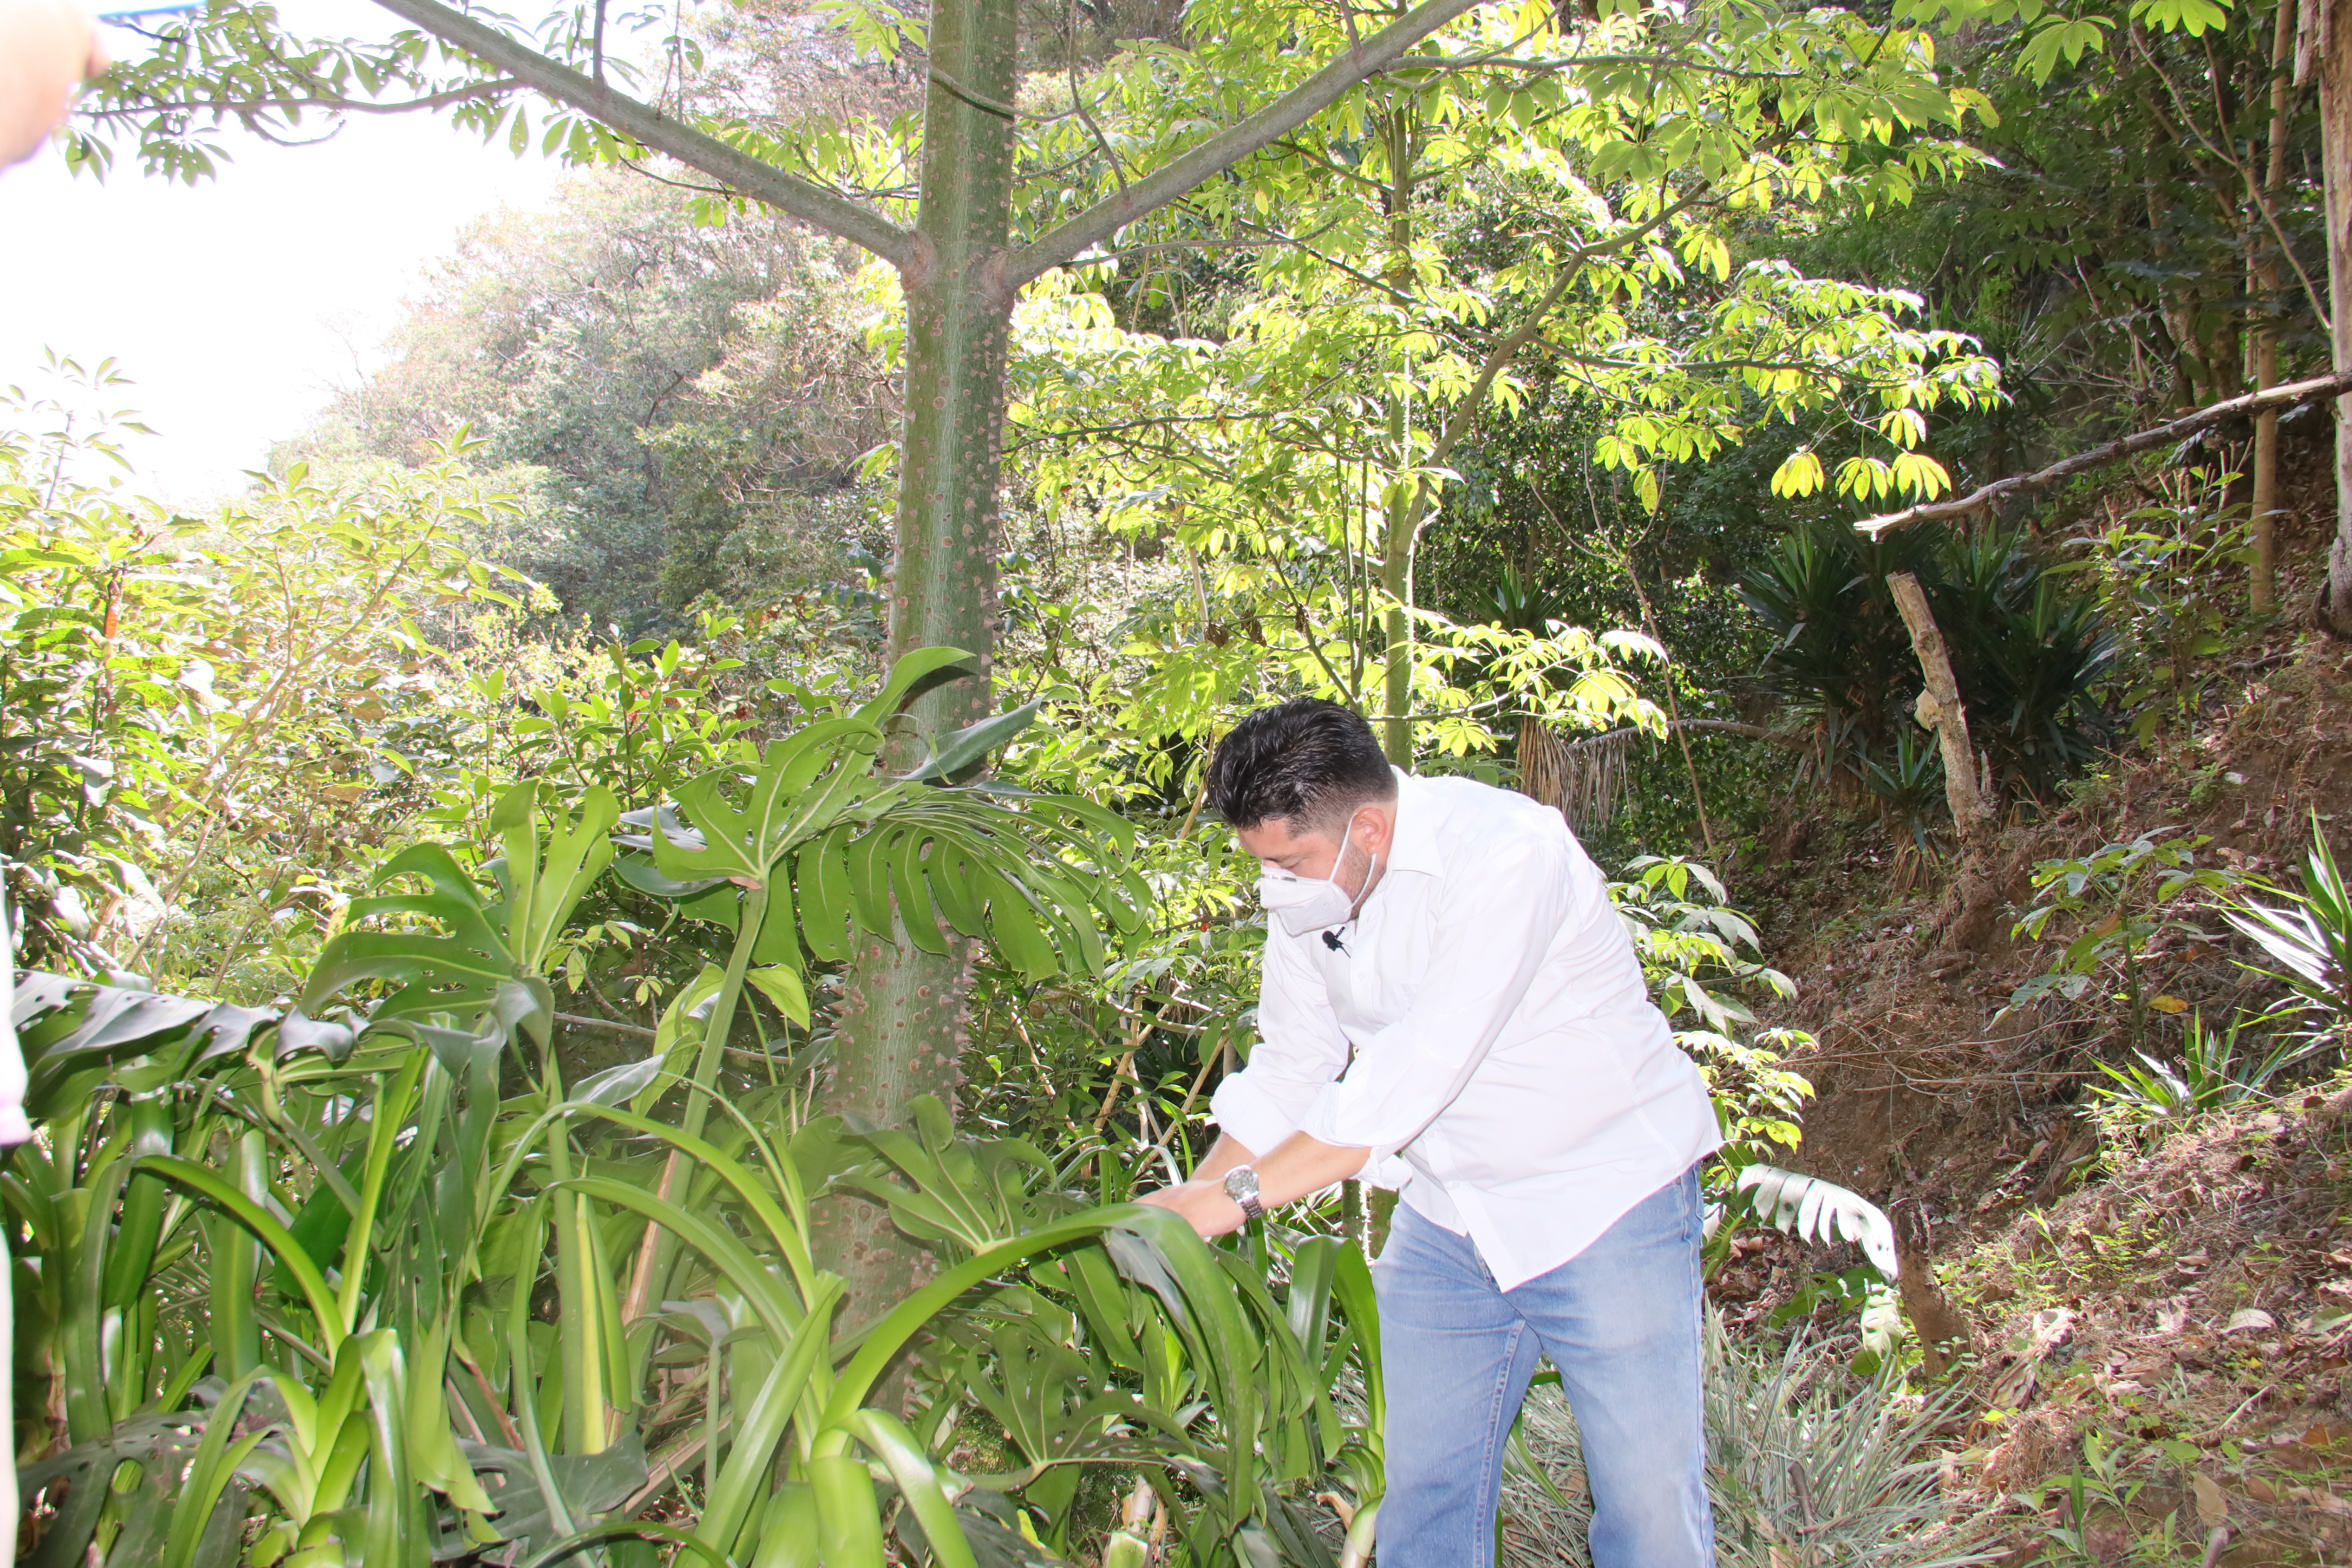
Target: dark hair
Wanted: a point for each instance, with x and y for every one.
(1309, 761)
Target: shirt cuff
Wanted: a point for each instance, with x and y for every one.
(1248, 1114)
(1381, 1167)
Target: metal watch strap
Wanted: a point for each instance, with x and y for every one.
(1240, 1185)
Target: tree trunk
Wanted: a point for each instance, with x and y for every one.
(1941, 710)
(1941, 1329)
(2334, 34)
(2262, 584)
(902, 1018)
(1401, 130)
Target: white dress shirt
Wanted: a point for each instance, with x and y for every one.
(1510, 1075)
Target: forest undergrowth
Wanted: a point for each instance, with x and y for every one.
(2151, 1314)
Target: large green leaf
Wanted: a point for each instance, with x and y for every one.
(485, 959)
(954, 753)
(72, 1030)
(816, 825)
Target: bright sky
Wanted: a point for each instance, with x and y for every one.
(239, 305)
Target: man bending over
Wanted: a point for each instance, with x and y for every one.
(1452, 1008)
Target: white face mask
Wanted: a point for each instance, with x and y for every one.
(1304, 904)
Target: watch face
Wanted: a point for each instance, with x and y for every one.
(1241, 1184)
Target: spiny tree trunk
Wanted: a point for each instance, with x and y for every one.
(902, 1015)
(1402, 125)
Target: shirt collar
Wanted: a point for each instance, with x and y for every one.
(1419, 812)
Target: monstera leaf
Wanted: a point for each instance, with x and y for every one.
(1811, 1209)
(475, 957)
(75, 1034)
(824, 844)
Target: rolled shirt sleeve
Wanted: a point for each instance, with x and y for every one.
(1493, 934)
(1300, 1049)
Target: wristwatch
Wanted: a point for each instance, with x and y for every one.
(1240, 1185)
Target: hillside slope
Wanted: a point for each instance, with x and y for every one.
(2165, 1314)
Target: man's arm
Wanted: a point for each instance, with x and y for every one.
(46, 48)
(1227, 1154)
(1299, 1166)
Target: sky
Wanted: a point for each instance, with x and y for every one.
(238, 306)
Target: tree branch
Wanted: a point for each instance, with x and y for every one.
(1710, 726)
(746, 174)
(242, 107)
(613, 1025)
(1226, 149)
(2318, 387)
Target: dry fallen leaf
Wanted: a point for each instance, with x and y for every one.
(2213, 1508)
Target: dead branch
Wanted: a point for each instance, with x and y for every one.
(2334, 385)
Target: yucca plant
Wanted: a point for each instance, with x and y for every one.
(1809, 1464)
(1813, 1465)
(2308, 937)
(2219, 1069)
(2030, 653)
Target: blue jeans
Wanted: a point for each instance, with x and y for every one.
(1620, 1322)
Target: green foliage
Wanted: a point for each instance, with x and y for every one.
(1691, 947)
(680, 407)
(2162, 576)
(2111, 257)
(2117, 896)
(2103, 1484)
(386, 1324)
(2219, 1070)
(196, 704)
(1801, 1441)
(2030, 657)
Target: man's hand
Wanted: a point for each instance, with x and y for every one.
(1203, 1203)
(46, 48)
(1300, 1166)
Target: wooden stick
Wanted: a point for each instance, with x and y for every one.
(1947, 716)
(612, 1026)
(2334, 385)
(1722, 726)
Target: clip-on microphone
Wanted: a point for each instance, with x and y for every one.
(1331, 941)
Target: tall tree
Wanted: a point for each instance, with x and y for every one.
(1479, 221)
(959, 263)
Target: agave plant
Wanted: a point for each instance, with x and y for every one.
(2031, 654)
